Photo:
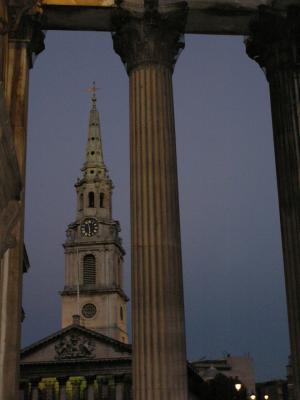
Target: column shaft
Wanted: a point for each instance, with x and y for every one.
(35, 394)
(159, 358)
(119, 390)
(149, 43)
(274, 43)
(90, 387)
(62, 393)
(62, 387)
(285, 100)
(11, 284)
(24, 39)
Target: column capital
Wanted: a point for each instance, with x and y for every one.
(274, 39)
(149, 37)
(24, 25)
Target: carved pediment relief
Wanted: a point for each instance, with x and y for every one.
(73, 346)
(74, 343)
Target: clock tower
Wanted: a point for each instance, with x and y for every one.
(93, 249)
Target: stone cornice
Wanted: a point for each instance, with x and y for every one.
(220, 17)
(108, 367)
(149, 37)
(91, 291)
(94, 246)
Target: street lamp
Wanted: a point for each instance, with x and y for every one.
(238, 387)
(252, 396)
(266, 397)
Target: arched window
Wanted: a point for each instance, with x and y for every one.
(91, 199)
(101, 200)
(89, 270)
(81, 202)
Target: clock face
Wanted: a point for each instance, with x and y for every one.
(89, 227)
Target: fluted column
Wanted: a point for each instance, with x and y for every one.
(35, 389)
(90, 380)
(76, 390)
(149, 45)
(62, 387)
(103, 387)
(274, 43)
(119, 381)
(23, 390)
(23, 41)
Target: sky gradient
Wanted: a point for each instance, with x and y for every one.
(232, 258)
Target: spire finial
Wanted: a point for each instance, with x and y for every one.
(93, 90)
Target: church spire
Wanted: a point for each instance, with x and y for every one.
(94, 153)
(93, 248)
(94, 189)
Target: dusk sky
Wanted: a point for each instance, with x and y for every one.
(232, 259)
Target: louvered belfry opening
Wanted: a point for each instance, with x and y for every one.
(89, 270)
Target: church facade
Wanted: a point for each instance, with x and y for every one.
(89, 358)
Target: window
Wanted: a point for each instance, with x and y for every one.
(91, 200)
(81, 201)
(101, 200)
(89, 310)
(89, 270)
(121, 314)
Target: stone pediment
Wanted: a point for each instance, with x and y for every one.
(75, 343)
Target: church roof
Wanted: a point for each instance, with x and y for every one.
(75, 342)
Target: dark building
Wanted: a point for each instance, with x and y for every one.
(272, 390)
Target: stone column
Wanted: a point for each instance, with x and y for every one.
(76, 390)
(274, 43)
(13, 267)
(23, 40)
(103, 388)
(62, 387)
(23, 390)
(119, 380)
(35, 389)
(112, 389)
(21, 397)
(149, 44)
(90, 380)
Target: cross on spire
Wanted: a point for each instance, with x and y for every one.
(93, 90)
